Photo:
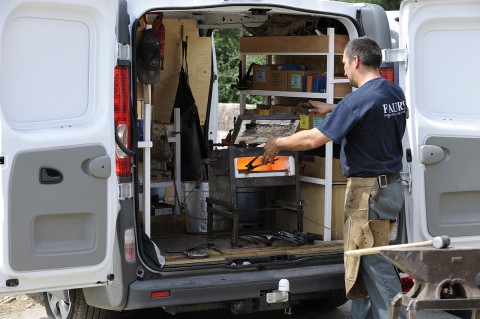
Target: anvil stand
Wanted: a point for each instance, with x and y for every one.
(444, 279)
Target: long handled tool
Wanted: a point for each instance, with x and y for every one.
(437, 242)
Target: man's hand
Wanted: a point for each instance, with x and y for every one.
(270, 150)
(321, 107)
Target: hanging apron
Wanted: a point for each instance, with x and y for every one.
(193, 148)
(359, 231)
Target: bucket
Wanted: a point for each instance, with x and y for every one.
(195, 194)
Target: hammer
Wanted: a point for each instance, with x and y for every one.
(437, 242)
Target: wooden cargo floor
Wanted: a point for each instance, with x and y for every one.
(172, 248)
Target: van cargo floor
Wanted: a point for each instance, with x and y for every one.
(194, 249)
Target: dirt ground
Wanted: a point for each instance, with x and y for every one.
(18, 303)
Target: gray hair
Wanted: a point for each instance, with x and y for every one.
(367, 50)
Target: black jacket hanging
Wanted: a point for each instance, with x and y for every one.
(192, 142)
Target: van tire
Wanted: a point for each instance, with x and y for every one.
(74, 308)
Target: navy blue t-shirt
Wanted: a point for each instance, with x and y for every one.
(369, 123)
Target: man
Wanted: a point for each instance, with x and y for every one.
(369, 123)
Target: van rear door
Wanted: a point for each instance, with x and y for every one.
(440, 78)
(58, 200)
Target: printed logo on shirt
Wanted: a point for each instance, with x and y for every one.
(394, 109)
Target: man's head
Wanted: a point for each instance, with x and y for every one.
(361, 53)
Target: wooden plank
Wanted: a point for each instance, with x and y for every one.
(199, 56)
(291, 44)
(215, 257)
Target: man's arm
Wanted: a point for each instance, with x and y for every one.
(300, 141)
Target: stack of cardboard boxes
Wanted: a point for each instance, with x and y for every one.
(272, 78)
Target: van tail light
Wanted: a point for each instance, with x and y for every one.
(388, 74)
(122, 118)
(129, 245)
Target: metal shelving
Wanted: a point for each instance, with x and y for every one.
(329, 97)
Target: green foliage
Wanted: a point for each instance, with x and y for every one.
(227, 46)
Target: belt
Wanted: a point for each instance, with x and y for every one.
(385, 179)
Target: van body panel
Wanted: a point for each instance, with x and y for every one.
(59, 197)
(440, 83)
(234, 11)
(227, 286)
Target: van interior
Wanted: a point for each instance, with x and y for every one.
(275, 215)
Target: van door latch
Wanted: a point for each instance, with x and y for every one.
(49, 175)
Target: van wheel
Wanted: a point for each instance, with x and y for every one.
(74, 307)
(334, 300)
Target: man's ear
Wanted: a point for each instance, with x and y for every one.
(355, 62)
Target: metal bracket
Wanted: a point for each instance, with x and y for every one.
(394, 55)
(123, 52)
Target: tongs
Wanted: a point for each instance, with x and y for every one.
(250, 165)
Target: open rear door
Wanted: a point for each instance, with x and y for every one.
(440, 78)
(58, 200)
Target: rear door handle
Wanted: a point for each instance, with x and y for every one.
(50, 175)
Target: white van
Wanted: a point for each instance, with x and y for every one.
(73, 168)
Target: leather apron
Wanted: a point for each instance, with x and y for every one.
(359, 231)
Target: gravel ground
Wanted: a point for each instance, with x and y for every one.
(19, 303)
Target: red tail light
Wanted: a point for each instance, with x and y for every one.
(388, 74)
(122, 117)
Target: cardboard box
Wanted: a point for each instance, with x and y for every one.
(264, 109)
(341, 89)
(294, 80)
(283, 109)
(304, 123)
(309, 121)
(313, 196)
(261, 77)
(306, 168)
(314, 120)
(277, 81)
(319, 169)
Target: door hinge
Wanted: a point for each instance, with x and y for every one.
(394, 55)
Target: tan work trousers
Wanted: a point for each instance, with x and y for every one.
(359, 231)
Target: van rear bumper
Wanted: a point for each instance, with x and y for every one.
(234, 285)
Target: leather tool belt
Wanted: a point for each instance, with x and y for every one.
(359, 231)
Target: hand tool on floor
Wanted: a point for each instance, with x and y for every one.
(437, 242)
